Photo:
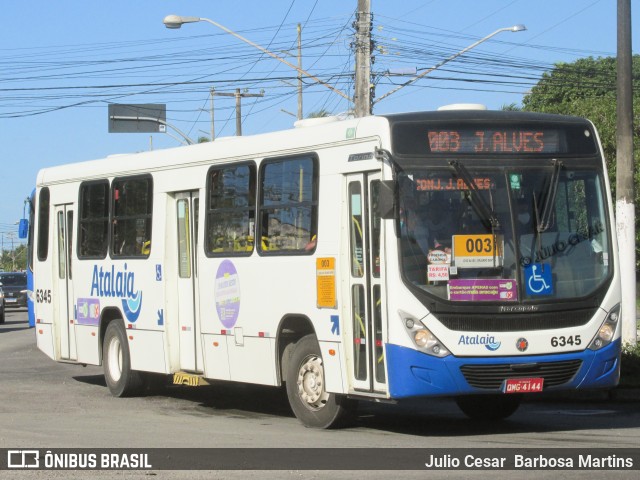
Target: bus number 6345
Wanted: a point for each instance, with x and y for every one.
(564, 341)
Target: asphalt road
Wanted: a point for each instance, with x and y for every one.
(44, 404)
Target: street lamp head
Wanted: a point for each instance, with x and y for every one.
(176, 21)
(518, 28)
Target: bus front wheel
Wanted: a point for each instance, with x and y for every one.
(121, 380)
(309, 400)
(489, 407)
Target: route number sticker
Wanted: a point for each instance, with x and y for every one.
(477, 251)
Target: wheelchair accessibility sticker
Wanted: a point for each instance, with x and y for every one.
(538, 279)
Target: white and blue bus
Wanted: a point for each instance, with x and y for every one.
(462, 253)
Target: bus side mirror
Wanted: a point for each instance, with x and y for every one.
(386, 199)
(23, 228)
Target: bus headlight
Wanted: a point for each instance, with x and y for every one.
(607, 329)
(424, 340)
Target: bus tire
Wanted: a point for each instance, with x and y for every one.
(489, 407)
(121, 380)
(309, 400)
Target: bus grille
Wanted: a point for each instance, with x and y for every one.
(490, 377)
(510, 322)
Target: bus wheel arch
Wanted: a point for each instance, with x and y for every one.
(291, 329)
(116, 359)
(107, 316)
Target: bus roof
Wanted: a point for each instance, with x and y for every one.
(309, 136)
(278, 143)
(475, 115)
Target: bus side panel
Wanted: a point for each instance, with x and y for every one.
(44, 339)
(247, 359)
(332, 359)
(250, 320)
(216, 359)
(88, 346)
(146, 348)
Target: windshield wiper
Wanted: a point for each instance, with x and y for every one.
(476, 198)
(544, 221)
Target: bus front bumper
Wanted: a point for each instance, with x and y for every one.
(415, 374)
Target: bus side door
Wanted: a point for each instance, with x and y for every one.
(365, 308)
(63, 277)
(187, 206)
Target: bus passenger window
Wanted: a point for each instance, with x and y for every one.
(43, 224)
(289, 205)
(231, 210)
(132, 200)
(93, 220)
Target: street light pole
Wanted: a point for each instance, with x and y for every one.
(515, 28)
(152, 119)
(176, 21)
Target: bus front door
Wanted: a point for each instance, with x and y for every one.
(187, 205)
(366, 328)
(65, 309)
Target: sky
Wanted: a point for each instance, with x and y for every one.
(62, 64)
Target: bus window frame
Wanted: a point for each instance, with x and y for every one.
(107, 241)
(43, 227)
(113, 218)
(310, 248)
(253, 190)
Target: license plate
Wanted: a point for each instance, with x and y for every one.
(11, 300)
(522, 385)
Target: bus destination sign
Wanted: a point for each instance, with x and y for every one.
(493, 141)
(470, 138)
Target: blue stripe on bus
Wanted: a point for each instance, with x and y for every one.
(414, 374)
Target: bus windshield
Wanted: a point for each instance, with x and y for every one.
(510, 233)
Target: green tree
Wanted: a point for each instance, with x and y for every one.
(319, 113)
(511, 107)
(16, 258)
(587, 88)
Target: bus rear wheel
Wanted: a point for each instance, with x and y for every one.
(121, 380)
(309, 400)
(489, 407)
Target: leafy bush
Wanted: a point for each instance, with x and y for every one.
(588, 88)
(630, 366)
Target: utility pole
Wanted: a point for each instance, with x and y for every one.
(238, 96)
(362, 97)
(625, 209)
(300, 114)
(213, 128)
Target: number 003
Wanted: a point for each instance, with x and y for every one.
(479, 245)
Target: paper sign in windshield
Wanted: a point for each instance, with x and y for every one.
(477, 251)
(438, 257)
(437, 273)
(483, 290)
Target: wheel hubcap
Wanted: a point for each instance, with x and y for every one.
(114, 356)
(311, 383)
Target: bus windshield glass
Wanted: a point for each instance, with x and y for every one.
(471, 232)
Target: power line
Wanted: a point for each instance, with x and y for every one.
(53, 78)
